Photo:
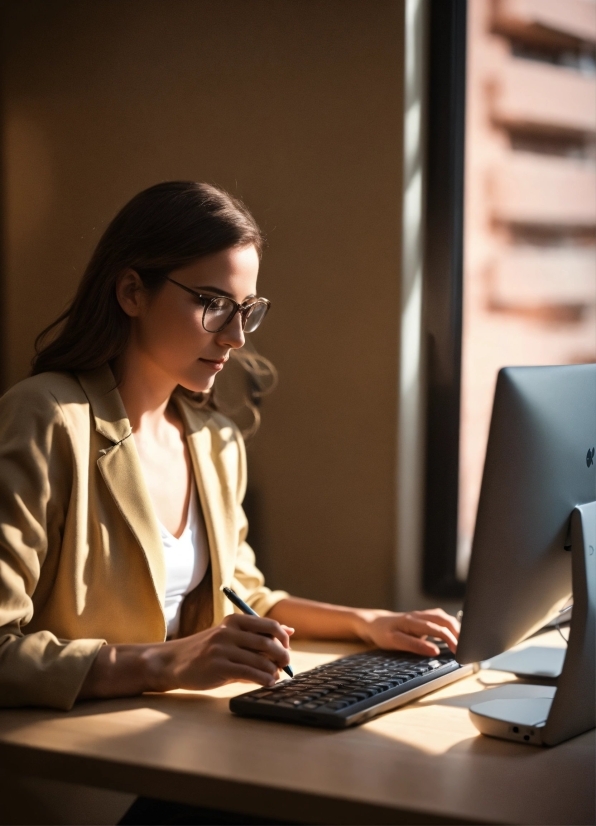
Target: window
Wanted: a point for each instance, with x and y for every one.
(515, 272)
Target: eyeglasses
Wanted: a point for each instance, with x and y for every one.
(220, 310)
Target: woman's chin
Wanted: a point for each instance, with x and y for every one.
(195, 385)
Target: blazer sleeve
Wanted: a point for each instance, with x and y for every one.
(36, 468)
(248, 581)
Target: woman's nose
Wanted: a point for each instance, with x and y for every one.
(233, 334)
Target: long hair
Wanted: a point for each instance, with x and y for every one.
(168, 226)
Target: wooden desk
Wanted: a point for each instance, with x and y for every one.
(424, 763)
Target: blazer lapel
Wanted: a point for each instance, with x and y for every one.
(121, 470)
(216, 509)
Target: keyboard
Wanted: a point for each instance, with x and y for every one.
(352, 689)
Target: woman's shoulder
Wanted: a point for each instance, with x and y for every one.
(42, 393)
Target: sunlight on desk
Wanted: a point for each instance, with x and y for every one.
(440, 720)
(96, 728)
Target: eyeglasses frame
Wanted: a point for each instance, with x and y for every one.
(238, 308)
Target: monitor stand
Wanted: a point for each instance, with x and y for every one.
(543, 715)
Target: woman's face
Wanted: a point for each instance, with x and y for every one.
(168, 331)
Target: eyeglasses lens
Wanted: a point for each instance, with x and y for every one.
(217, 314)
(255, 314)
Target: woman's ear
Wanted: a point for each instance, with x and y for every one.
(131, 293)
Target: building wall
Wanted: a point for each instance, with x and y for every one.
(297, 108)
(530, 224)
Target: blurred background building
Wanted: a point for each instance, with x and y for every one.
(530, 206)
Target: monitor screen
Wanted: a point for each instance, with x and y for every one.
(540, 463)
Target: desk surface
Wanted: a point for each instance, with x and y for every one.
(424, 763)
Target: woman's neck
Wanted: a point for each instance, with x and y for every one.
(145, 390)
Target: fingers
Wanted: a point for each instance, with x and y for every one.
(226, 653)
(263, 665)
(260, 625)
(406, 642)
(264, 646)
(265, 638)
(433, 622)
(247, 674)
(231, 662)
(426, 628)
(441, 618)
(409, 631)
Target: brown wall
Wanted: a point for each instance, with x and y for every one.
(297, 107)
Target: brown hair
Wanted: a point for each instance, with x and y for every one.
(163, 228)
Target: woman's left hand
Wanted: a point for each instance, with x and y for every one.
(408, 631)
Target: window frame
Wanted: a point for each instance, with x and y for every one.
(443, 293)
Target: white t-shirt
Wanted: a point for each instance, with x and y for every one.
(187, 558)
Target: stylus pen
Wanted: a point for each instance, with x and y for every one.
(246, 609)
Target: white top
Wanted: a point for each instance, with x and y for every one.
(187, 558)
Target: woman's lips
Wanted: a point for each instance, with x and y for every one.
(214, 364)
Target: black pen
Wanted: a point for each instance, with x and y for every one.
(246, 609)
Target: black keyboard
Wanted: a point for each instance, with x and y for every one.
(352, 689)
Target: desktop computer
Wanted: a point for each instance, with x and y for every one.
(534, 546)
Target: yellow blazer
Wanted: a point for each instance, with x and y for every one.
(81, 558)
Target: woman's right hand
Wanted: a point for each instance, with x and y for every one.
(242, 648)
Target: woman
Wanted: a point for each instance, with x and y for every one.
(121, 485)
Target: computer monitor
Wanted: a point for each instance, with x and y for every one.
(540, 464)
